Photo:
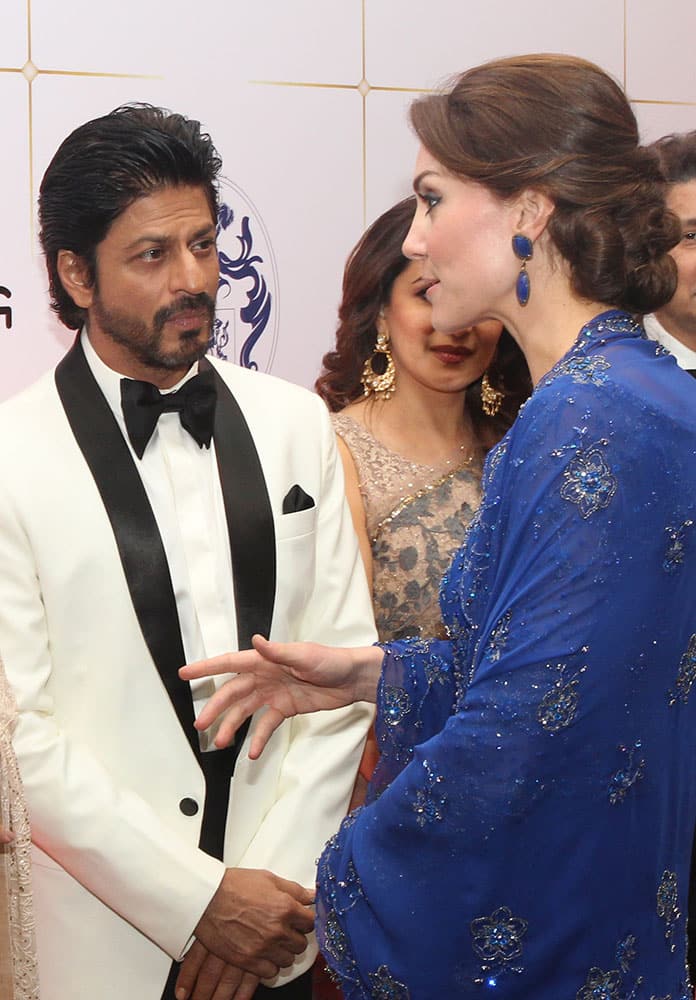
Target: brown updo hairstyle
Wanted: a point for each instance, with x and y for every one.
(563, 126)
(676, 154)
(370, 272)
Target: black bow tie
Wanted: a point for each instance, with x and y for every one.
(691, 371)
(142, 404)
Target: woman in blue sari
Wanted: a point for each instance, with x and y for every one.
(529, 829)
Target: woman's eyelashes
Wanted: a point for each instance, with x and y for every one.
(429, 199)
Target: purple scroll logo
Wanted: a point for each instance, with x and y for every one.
(246, 324)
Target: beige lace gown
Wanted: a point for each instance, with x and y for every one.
(417, 517)
(18, 973)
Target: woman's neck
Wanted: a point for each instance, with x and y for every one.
(426, 427)
(549, 325)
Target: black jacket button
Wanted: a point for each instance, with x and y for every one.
(189, 807)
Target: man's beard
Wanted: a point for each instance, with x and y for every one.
(145, 342)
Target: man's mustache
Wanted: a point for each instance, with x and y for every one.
(187, 303)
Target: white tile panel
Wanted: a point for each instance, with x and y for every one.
(14, 36)
(391, 149)
(414, 44)
(656, 120)
(660, 41)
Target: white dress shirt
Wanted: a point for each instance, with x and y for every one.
(686, 358)
(183, 486)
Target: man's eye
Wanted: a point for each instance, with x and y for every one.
(154, 253)
(690, 237)
(203, 246)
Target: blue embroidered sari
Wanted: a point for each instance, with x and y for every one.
(530, 824)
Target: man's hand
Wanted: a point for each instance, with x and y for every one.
(257, 921)
(204, 976)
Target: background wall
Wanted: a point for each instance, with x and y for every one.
(305, 100)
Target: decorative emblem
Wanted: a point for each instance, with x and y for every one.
(246, 325)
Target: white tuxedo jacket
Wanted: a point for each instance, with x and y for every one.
(105, 743)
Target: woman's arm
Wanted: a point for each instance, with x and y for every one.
(288, 678)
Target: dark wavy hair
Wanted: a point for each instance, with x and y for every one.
(102, 168)
(371, 270)
(563, 126)
(676, 155)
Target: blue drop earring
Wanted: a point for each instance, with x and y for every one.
(524, 250)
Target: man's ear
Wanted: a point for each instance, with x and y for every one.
(533, 209)
(75, 278)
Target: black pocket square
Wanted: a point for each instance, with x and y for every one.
(297, 500)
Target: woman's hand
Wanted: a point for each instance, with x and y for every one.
(291, 678)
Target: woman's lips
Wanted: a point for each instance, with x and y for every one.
(451, 354)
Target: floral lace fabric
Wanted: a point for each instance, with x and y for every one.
(18, 970)
(417, 516)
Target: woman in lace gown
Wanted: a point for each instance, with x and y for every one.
(18, 971)
(529, 828)
(415, 412)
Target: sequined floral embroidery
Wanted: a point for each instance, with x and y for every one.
(494, 459)
(335, 940)
(601, 986)
(437, 671)
(559, 705)
(588, 481)
(627, 775)
(498, 938)
(667, 905)
(430, 800)
(349, 889)
(397, 704)
(626, 952)
(686, 675)
(584, 369)
(383, 986)
(674, 556)
(499, 637)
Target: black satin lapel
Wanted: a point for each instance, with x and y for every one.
(133, 522)
(146, 569)
(249, 517)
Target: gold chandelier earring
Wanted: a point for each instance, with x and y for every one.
(491, 399)
(379, 374)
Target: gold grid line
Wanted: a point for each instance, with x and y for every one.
(363, 87)
(678, 104)
(37, 72)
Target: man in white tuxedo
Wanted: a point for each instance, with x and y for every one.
(674, 326)
(158, 507)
